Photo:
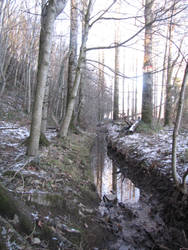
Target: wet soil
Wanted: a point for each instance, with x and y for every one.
(160, 220)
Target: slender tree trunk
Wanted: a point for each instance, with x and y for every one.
(116, 77)
(116, 86)
(72, 49)
(168, 102)
(49, 13)
(114, 178)
(60, 101)
(5, 62)
(123, 94)
(101, 88)
(45, 108)
(128, 100)
(180, 184)
(2, 8)
(163, 79)
(136, 91)
(99, 91)
(133, 96)
(147, 105)
(47, 26)
(72, 100)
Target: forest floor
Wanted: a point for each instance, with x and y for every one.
(57, 189)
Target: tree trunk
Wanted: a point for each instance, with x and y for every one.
(133, 97)
(163, 79)
(49, 13)
(45, 108)
(100, 88)
(2, 8)
(128, 100)
(117, 70)
(147, 105)
(72, 48)
(72, 100)
(116, 86)
(136, 92)
(180, 184)
(168, 100)
(123, 94)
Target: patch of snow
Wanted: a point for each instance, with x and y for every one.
(152, 148)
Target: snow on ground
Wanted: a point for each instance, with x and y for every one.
(12, 150)
(154, 149)
(15, 130)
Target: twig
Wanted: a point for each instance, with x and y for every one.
(7, 128)
(31, 234)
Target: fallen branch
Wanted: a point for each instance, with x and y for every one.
(134, 126)
(7, 128)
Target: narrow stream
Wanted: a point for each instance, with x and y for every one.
(134, 220)
(108, 179)
(107, 176)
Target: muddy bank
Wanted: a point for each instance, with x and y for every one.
(168, 207)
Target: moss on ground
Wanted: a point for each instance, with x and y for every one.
(70, 158)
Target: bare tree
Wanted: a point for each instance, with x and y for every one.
(81, 59)
(50, 10)
(72, 47)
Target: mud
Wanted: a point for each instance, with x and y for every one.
(159, 220)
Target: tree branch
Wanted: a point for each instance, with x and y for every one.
(104, 12)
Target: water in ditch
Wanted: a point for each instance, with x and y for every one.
(133, 219)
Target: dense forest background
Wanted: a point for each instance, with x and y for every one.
(99, 61)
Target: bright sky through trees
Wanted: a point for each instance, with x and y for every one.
(102, 34)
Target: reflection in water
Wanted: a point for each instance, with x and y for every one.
(107, 180)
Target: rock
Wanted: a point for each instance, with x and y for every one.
(36, 241)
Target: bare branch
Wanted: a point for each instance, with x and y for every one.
(104, 12)
(115, 45)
